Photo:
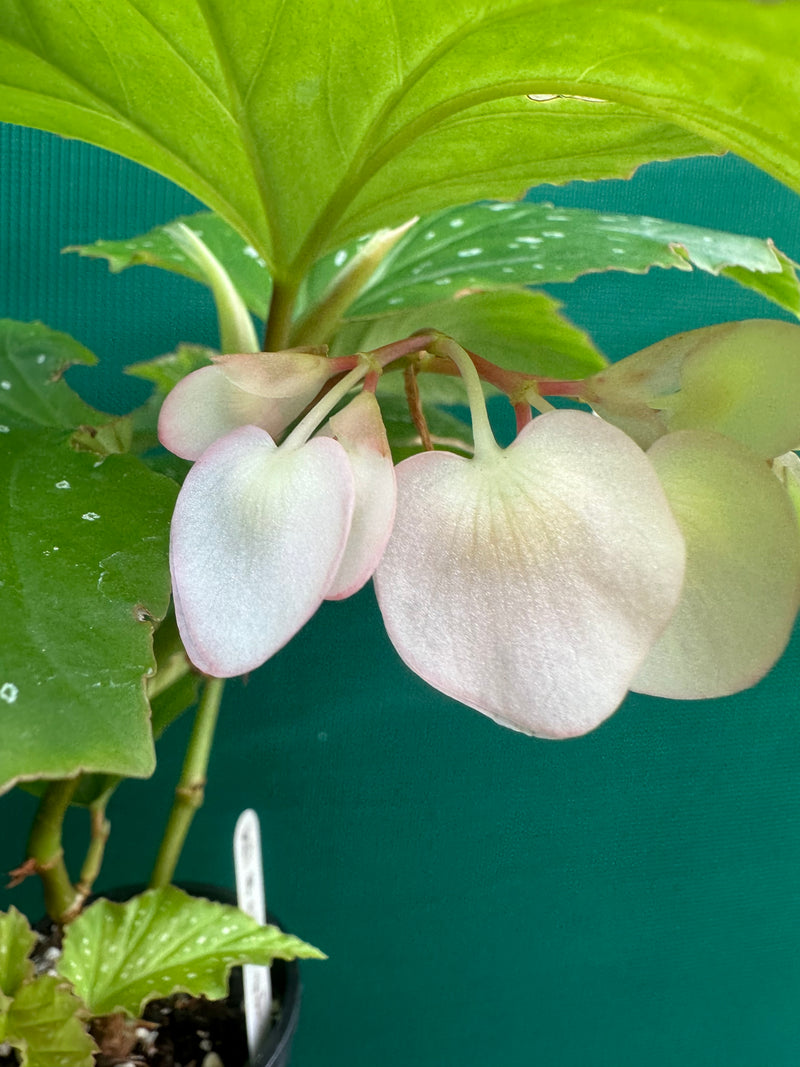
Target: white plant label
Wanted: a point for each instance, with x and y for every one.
(248, 865)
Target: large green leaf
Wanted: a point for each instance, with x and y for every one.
(305, 124)
(119, 956)
(83, 571)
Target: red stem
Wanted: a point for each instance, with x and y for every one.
(524, 415)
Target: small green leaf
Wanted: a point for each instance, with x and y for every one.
(491, 245)
(166, 371)
(83, 572)
(110, 439)
(16, 941)
(513, 328)
(159, 248)
(46, 1025)
(119, 956)
(32, 392)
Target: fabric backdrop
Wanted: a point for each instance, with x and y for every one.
(486, 900)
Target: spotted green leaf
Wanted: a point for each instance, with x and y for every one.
(83, 572)
(46, 1024)
(119, 956)
(158, 248)
(16, 942)
(491, 245)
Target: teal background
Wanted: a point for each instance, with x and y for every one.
(486, 900)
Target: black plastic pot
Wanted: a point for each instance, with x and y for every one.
(276, 1049)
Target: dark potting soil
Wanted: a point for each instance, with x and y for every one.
(179, 1031)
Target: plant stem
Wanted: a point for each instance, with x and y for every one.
(99, 831)
(46, 850)
(190, 791)
(279, 321)
(415, 408)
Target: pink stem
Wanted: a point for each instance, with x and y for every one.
(523, 414)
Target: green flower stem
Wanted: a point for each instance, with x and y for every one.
(309, 423)
(46, 853)
(190, 791)
(485, 443)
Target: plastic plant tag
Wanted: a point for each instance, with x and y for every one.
(249, 871)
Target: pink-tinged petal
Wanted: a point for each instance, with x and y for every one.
(293, 372)
(359, 429)
(742, 581)
(531, 585)
(205, 406)
(257, 536)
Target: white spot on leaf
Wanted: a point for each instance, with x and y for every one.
(90, 516)
(340, 258)
(8, 692)
(63, 484)
(465, 253)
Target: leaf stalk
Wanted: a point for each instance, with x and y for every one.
(190, 791)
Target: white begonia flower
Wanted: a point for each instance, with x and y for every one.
(530, 583)
(262, 533)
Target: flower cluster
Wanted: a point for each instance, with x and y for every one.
(536, 583)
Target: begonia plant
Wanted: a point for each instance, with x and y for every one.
(375, 273)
